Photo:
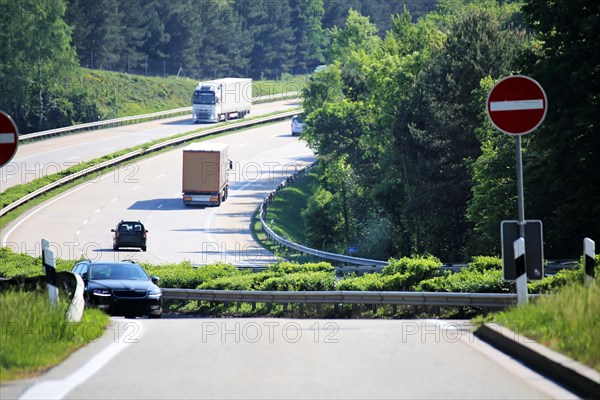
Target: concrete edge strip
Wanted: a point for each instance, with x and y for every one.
(579, 378)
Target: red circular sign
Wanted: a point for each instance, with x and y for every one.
(9, 139)
(517, 105)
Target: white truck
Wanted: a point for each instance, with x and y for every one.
(222, 99)
(204, 178)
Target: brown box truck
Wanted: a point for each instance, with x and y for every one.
(205, 181)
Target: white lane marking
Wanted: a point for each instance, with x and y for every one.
(516, 105)
(73, 158)
(86, 221)
(160, 176)
(7, 138)
(97, 211)
(136, 187)
(77, 233)
(43, 206)
(149, 216)
(114, 199)
(160, 205)
(57, 389)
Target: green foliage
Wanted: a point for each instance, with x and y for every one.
(366, 282)
(566, 322)
(300, 281)
(468, 281)
(562, 170)
(284, 267)
(36, 336)
(485, 263)
(184, 275)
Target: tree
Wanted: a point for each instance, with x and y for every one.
(562, 180)
(37, 58)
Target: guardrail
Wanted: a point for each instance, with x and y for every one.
(365, 263)
(136, 153)
(497, 300)
(133, 119)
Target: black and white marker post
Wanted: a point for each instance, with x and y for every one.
(50, 269)
(519, 251)
(589, 259)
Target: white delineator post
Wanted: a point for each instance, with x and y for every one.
(519, 251)
(49, 264)
(589, 259)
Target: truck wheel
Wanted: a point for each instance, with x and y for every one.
(225, 194)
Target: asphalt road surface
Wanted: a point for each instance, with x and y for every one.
(78, 222)
(287, 359)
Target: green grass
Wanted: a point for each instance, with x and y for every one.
(34, 335)
(120, 95)
(285, 210)
(567, 322)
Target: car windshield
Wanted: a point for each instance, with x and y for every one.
(204, 97)
(117, 271)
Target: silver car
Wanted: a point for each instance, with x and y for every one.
(297, 124)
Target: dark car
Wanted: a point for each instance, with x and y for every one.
(129, 234)
(120, 288)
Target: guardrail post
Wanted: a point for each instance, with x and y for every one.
(589, 259)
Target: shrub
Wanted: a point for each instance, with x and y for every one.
(185, 276)
(301, 281)
(366, 282)
(485, 263)
(286, 267)
(416, 269)
(468, 281)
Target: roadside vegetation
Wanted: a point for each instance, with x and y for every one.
(34, 335)
(566, 322)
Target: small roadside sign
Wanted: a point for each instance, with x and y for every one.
(9, 139)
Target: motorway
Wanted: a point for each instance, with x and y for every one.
(177, 358)
(78, 222)
(202, 358)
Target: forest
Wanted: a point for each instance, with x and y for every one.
(46, 42)
(409, 161)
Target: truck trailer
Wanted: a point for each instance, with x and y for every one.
(222, 99)
(205, 180)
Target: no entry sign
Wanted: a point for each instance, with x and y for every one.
(9, 139)
(517, 105)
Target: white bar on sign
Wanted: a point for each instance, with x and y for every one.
(516, 105)
(7, 138)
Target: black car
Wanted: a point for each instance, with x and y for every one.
(129, 234)
(120, 288)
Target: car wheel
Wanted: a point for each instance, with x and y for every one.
(115, 247)
(143, 248)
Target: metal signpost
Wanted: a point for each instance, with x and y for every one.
(517, 105)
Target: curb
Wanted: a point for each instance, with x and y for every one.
(578, 378)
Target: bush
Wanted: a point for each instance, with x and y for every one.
(301, 281)
(185, 276)
(366, 282)
(416, 269)
(485, 263)
(468, 281)
(285, 267)
(248, 281)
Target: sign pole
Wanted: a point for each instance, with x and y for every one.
(517, 105)
(521, 280)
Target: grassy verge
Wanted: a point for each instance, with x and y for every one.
(34, 335)
(566, 322)
(284, 211)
